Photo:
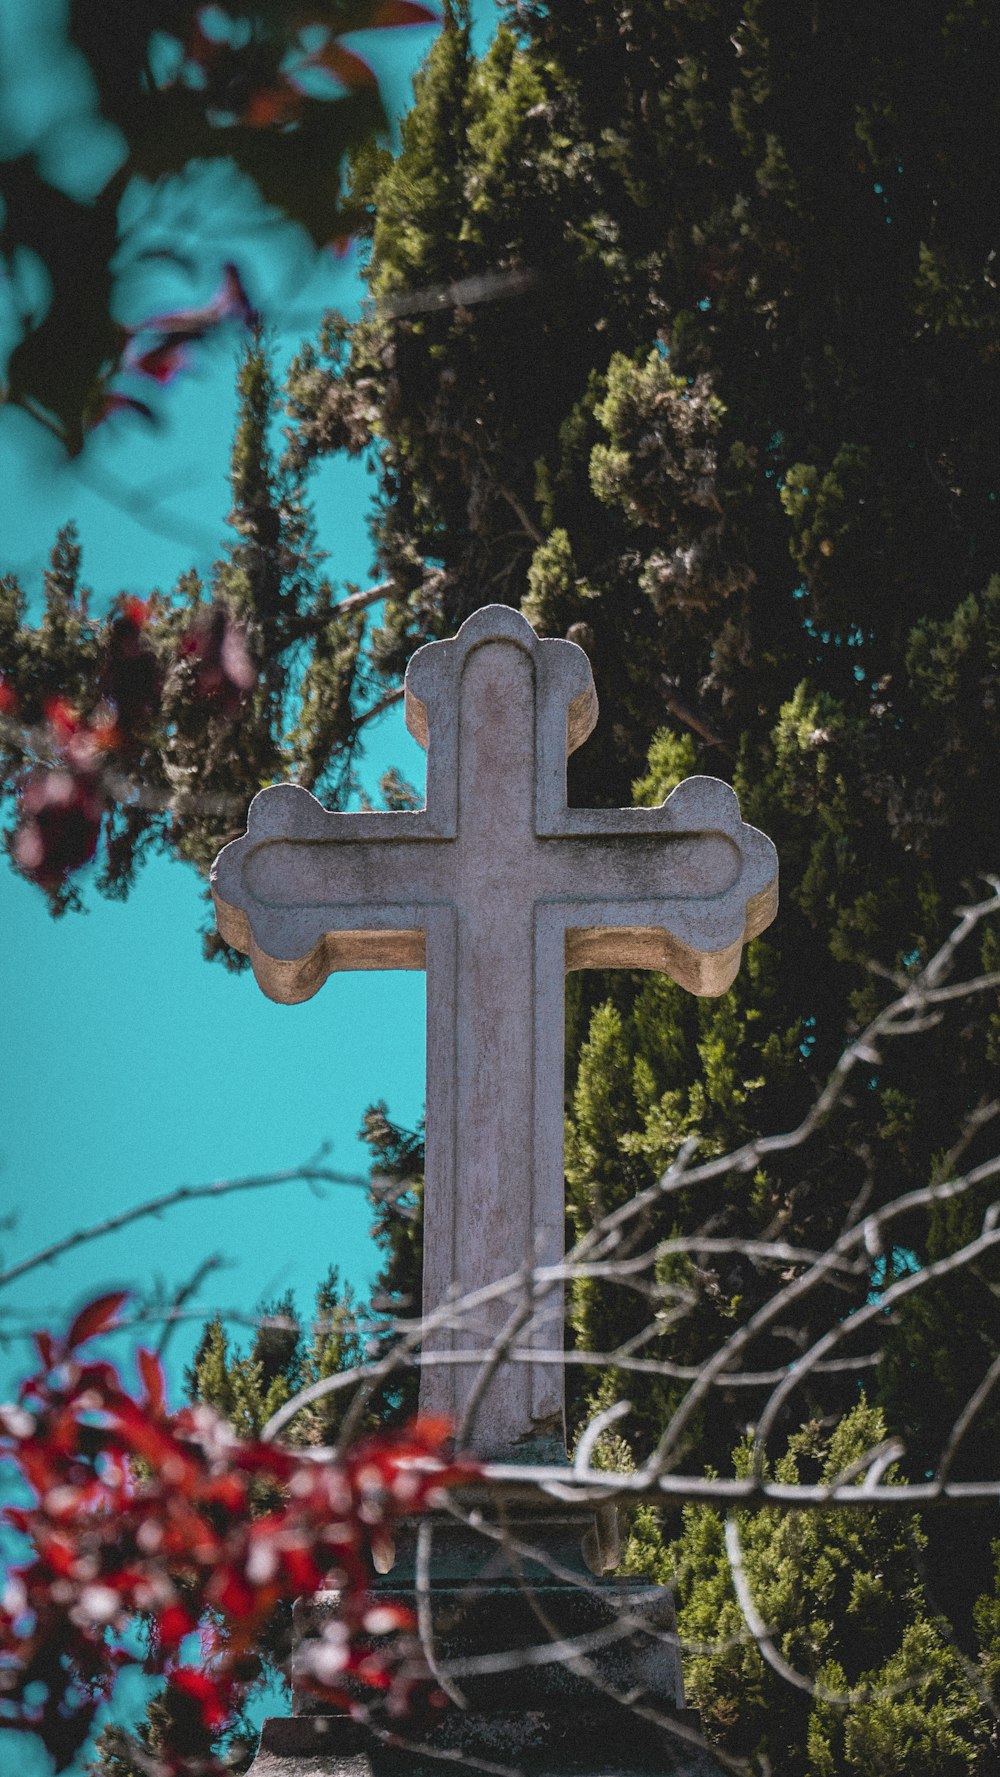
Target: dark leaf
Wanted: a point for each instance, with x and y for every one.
(153, 1380)
(95, 1318)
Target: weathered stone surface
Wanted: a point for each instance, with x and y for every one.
(530, 1646)
(540, 1744)
(496, 887)
(555, 1674)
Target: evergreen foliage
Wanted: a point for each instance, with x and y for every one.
(845, 1604)
(172, 1723)
(286, 1356)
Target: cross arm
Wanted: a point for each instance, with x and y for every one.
(306, 891)
(681, 887)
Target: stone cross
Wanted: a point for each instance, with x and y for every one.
(496, 888)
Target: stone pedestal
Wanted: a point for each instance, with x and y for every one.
(555, 1673)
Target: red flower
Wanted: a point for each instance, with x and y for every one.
(272, 105)
(95, 1318)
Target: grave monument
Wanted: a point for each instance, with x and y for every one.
(496, 888)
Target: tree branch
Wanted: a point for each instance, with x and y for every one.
(311, 1173)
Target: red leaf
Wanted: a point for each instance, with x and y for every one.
(349, 68)
(162, 362)
(37, 1468)
(205, 1692)
(95, 1318)
(233, 1594)
(146, 1439)
(301, 1570)
(61, 717)
(402, 12)
(45, 1345)
(271, 105)
(228, 1491)
(172, 1624)
(430, 1431)
(153, 1380)
(200, 48)
(60, 1555)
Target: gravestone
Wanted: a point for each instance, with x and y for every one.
(496, 887)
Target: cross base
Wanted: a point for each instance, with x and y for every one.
(503, 1605)
(568, 1742)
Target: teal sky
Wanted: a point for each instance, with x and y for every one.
(129, 1065)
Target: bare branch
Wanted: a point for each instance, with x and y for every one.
(359, 601)
(311, 1173)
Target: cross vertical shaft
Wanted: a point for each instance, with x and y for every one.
(494, 1146)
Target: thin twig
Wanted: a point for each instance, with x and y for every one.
(311, 1173)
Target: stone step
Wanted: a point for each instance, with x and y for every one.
(537, 1744)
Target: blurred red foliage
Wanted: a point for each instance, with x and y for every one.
(135, 1510)
(63, 800)
(61, 813)
(132, 673)
(266, 87)
(161, 348)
